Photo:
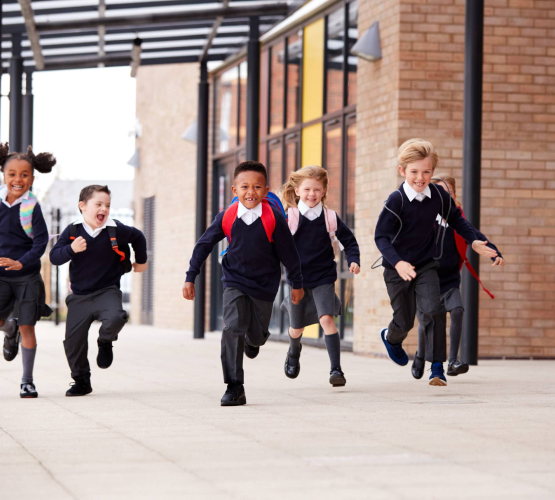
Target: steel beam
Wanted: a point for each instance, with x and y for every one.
(202, 186)
(28, 109)
(32, 35)
(253, 88)
(472, 157)
(16, 72)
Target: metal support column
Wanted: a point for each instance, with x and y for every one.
(202, 200)
(472, 156)
(28, 104)
(16, 72)
(1, 67)
(253, 88)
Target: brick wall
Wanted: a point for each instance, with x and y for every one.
(166, 106)
(518, 150)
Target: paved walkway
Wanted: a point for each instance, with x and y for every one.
(153, 428)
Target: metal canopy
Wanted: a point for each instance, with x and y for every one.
(92, 33)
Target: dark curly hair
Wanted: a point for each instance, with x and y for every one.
(43, 162)
(250, 166)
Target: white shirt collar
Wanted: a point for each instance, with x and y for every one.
(310, 213)
(243, 210)
(412, 194)
(95, 232)
(4, 196)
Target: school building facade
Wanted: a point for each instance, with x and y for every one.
(320, 104)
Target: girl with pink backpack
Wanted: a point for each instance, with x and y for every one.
(315, 229)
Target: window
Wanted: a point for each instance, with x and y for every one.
(335, 30)
(227, 112)
(277, 81)
(352, 61)
(294, 59)
(275, 164)
(242, 87)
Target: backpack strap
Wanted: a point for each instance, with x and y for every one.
(293, 219)
(114, 242)
(331, 226)
(230, 216)
(26, 210)
(72, 231)
(268, 220)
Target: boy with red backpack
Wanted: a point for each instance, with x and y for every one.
(449, 273)
(259, 240)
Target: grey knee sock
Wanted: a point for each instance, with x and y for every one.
(28, 356)
(334, 350)
(295, 344)
(455, 333)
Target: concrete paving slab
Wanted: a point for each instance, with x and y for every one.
(153, 427)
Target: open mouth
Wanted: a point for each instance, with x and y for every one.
(251, 200)
(17, 187)
(100, 217)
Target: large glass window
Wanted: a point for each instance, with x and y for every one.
(294, 59)
(352, 61)
(334, 60)
(350, 171)
(332, 163)
(227, 112)
(275, 164)
(292, 152)
(242, 103)
(277, 81)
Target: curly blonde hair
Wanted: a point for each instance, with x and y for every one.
(287, 194)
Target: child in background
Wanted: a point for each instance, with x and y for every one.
(407, 235)
(314, 228)
(23, 240)
(98, 248)
(449, 273)
(259, 240)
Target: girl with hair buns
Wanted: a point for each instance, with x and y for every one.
(315, 228)
(23, 240)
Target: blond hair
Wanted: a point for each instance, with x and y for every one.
(415, 150)
(449, 179)
(288, 196)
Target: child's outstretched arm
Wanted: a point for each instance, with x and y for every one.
(212, 236)
(498, 260)
(287, 254)
(350, 245)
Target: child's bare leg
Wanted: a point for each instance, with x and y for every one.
(28, 352)
(295, 333)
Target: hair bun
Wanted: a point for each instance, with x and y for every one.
(4, 153)
(43, 162)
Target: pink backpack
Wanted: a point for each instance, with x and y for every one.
(331, 223)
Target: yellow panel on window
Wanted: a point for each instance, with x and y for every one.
(312, 155)
(313, 71)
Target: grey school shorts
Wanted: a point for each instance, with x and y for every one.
(29, 293)
(452, 299)
(317, 302)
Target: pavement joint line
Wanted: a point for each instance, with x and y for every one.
(39, 462)
(152, 450)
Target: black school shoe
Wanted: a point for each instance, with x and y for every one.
(28, 390)
(11, 342)
(105, 354)
(251, 351)
(292, 365)
(81, 386)
(457, 368)
(418, 366)
(337, 377)
(234, 395)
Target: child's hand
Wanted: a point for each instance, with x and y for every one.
(499, 261)
(79, 245)
(297, 296)
(354, 268)
(189, 291)
(480, 248)
(139, 268)
(10, 265)
(405, 270)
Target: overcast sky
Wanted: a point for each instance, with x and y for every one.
(86, 117)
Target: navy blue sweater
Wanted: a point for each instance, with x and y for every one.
(448, 272)
(98, 266)
(16, 245)
(316, 250)
(252, 263)
(416, 242)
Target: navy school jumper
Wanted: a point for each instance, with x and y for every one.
(416, 243)
(252, 263)
(315, 249)
(16, 245)
(98, 266)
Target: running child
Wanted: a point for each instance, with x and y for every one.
(98, 248)
(411, 244)
(23, 240)
(449, 272)
(259, 240)
(315, 227)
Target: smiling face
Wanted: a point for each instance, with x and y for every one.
(96, 209)
(418, 174)
(250, 187)
(18, 177)
(311, 192)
